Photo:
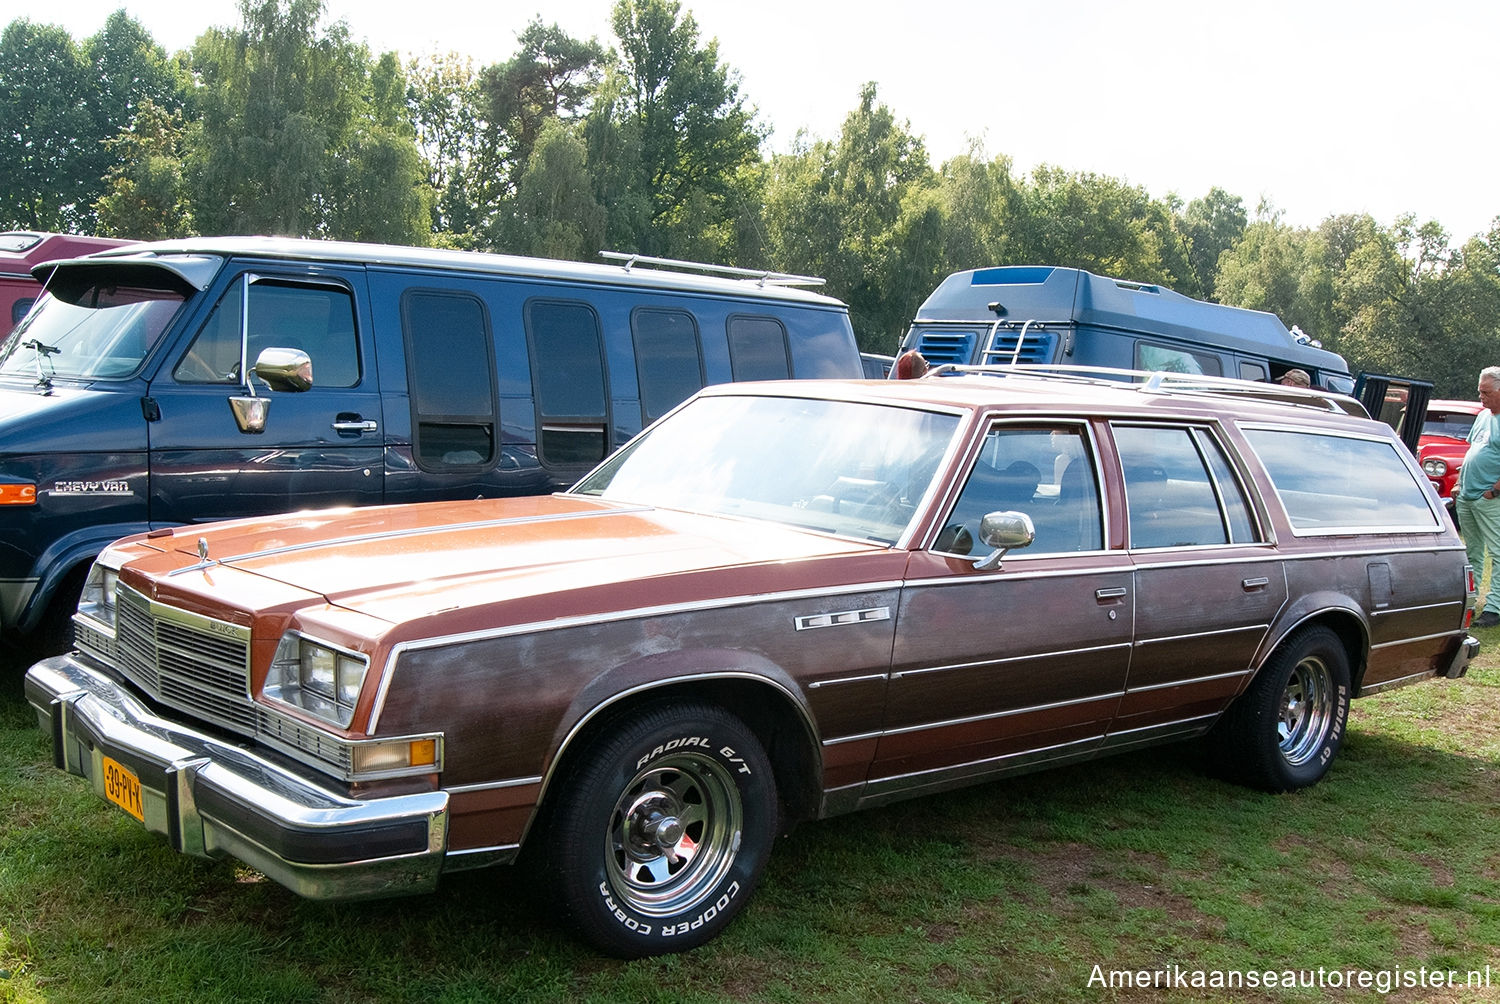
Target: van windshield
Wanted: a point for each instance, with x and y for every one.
(98, 331)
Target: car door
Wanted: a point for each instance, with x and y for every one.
(1207, 580)
(318, 447)
(994, 670)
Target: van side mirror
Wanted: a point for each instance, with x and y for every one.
(1002, 532)
(286, 370)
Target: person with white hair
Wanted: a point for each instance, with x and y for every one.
(1477, 496)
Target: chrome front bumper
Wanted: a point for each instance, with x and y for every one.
(210, 798)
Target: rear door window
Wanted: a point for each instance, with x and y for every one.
(1180, 489)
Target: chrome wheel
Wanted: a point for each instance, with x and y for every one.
(673, 834)
(1307, 711)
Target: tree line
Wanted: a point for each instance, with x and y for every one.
(287, 125)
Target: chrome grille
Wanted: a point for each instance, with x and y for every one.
(313, 742)
(192, 663)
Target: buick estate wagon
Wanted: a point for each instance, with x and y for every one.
(781, 602)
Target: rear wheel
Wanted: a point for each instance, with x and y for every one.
(1284, 731)
(659, 834)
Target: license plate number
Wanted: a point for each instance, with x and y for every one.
(123, 788)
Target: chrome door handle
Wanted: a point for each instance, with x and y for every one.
(1250, 585)
(366, 425)
(1111, 593)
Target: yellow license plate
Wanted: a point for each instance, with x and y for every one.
(123, 788)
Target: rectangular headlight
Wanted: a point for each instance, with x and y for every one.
(98, 598)
(322, 680)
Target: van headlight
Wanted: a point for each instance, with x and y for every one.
(98, 598)
(317, 678)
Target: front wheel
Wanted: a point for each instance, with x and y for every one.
(1284, 731)
(660, 831)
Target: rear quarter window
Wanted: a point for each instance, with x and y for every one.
(1331, 483)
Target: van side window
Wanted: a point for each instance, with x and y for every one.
(1044, 472)
(1253, 371)
(1173, 498)
(668, 359)
(757, 349)
(317, 319)
(452, 373)
(567, 363)
(1171, 360)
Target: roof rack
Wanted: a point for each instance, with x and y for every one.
(1160, 382)
(763, 276)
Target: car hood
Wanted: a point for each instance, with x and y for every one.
(542, 557)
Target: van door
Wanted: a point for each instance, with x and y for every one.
(319, 447)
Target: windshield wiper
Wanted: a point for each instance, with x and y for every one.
(42, 350)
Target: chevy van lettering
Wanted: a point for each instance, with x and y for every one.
(63, 488)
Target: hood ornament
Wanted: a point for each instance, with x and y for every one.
(203, 549)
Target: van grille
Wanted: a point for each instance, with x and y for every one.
(1036, 349)
(177, 660)
(939, 347)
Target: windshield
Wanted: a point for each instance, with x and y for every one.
(856, 470)
(98, 332)
(1453, 424)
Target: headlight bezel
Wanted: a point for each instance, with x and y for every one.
(1435, 467)
(99, 599)
(317, 677)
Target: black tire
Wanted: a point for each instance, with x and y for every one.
(1284, 731)
(658, 834)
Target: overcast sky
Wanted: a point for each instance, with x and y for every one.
(1318, 106)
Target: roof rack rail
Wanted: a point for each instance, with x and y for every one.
(1160, 382)
(763, 276)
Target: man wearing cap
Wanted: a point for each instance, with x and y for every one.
(1477, 498)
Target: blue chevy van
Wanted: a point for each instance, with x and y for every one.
(170, 383)
(1066, 316)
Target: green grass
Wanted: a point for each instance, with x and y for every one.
(1009, 891)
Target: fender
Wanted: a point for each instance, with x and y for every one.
(674, 669)
(52, 566)
(1312, 606)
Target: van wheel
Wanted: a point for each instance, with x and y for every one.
(659, 834)
(1283, 733)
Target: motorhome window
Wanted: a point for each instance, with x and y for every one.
(94, 331)
(1171, 497)
(452, 373)
(668, 359)
(19, 308)
(316, 319)
(757, 349)
(1337, 484)
(1166, 359)
(568, 373)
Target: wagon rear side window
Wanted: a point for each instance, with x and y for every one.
(1331, 484)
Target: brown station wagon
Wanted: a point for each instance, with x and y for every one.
(781, 602)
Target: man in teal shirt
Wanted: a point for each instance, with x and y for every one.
(1477, 500)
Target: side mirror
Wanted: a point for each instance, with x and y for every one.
(1002, 532)
(286, 370)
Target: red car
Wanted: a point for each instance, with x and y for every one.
(1445, 440)
(22, 249)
